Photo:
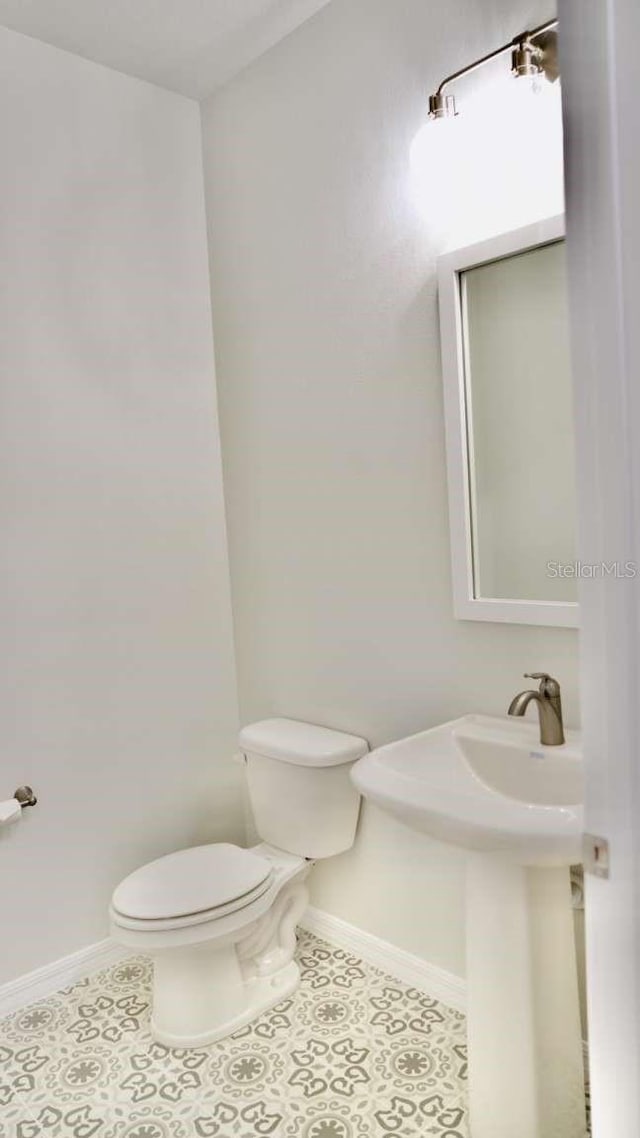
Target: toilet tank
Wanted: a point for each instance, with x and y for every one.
(301, 794)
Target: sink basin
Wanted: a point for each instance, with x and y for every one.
(508, 758)
(484, 783)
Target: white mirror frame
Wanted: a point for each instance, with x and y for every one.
(563, 614)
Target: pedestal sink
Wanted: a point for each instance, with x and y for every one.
(487, 784)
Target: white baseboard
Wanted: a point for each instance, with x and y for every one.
(440, 985)
(450, 989)
(43, 982)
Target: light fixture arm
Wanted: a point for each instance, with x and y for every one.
(441, 104)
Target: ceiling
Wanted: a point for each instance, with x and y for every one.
(189, 46)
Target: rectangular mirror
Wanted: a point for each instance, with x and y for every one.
(509, 425)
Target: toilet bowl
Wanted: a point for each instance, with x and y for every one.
(220, 960)
(219, 921)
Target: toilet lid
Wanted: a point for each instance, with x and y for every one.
(190, 881)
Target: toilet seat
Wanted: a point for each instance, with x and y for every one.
(191, 886)
(219, 925)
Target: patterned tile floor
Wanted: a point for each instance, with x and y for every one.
(353, 1053)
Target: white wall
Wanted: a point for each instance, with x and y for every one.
(117, 697)
(327, 352)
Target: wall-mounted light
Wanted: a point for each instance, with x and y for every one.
(469, 175)
(534, 55)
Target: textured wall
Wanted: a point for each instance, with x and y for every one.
(330, 392)
(117, 699)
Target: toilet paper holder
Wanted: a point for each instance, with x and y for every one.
(25, 796)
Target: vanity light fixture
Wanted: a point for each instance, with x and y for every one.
(533, 54)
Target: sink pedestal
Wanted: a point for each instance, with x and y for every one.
(487, 784)
(525, 1051)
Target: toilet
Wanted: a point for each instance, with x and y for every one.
(220, 921)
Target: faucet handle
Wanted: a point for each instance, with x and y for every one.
(548, 685)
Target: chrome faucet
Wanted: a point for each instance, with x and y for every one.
(549, 707)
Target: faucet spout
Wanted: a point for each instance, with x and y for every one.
(549, 706)
(521, 701)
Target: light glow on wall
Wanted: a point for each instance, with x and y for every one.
(496, 166)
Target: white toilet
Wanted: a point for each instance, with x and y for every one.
(218, 920)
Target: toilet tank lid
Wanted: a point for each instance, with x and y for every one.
(301, 744)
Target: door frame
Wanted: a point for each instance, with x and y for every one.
(602, 166)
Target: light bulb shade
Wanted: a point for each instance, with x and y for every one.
(526, 60)
(442, 106)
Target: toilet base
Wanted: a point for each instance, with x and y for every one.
(213, 977)
(262, 993)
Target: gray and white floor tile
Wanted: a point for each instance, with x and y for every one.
(352, 1053)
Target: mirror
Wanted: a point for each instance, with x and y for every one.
(509, 420)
